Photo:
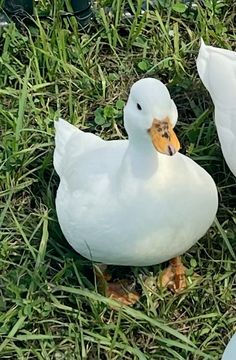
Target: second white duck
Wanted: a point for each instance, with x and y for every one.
(217, 70)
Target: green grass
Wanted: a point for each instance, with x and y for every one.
(49, 307)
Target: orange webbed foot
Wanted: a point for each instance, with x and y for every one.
(174, 276)
(120, 290)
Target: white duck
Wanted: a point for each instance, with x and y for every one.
(125, 202)
(217, 70)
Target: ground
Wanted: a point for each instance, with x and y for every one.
(49, 305)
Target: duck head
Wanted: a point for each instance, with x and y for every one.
(150, 115)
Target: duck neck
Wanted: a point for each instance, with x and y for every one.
(141, 158)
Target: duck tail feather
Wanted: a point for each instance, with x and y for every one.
(64, 131)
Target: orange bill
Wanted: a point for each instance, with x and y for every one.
(163, 137)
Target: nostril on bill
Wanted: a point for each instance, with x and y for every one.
(171, 150)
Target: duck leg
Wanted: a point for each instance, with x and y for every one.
(120, 290)
(174, 276)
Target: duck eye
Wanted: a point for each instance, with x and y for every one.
(139, 107)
